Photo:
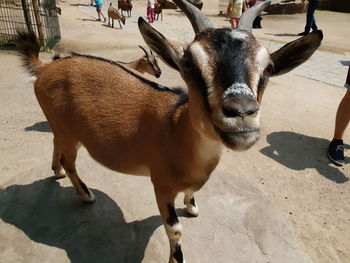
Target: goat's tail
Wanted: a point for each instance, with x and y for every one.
(29, 47)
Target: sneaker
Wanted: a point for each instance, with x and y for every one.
(98, 19)
(336, 152)
(303, 33)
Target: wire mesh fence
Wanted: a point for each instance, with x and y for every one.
(39, 16)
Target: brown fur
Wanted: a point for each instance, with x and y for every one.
(125, 5)
(115, 15)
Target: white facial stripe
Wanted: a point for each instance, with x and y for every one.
(241, 89)
(201, 60)
(237, 34)
(262, 58)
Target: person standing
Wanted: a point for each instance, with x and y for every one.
(310, 18)
(234, 11)
(336, 147)
(150, 10)
(98, 4)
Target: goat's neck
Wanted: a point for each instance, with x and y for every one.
(200, 149)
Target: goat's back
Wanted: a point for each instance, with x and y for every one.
(113, 13)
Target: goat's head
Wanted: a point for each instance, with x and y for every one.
(226, 72)
(150, 63)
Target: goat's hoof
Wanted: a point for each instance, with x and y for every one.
(89, 198)
(192, 210)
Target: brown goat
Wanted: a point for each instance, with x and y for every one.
(135, 126)
(147, 63)
(158, 10)
(115, 15)
(125, 5)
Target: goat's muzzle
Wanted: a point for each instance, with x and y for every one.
(237, 123)
(239, 106)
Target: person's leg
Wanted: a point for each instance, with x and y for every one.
(313, 5)
(309, 18)
(233, 22)
(152, 15)
(336, 147)
(342, 117)
(148, 14)
(98, 13)
(104, 18)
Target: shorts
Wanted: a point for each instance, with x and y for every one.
(234, 19)
(99, 8)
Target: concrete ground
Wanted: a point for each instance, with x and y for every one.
(281, 201)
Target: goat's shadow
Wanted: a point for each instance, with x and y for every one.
(42, 126)
(299, 152)
(50, 214)
(282, 34)
(82, 5)
(115, 27)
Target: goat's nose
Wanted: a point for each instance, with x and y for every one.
(239, 106)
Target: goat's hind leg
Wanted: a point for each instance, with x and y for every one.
(67, 159)
(191, 206)
(165, 200)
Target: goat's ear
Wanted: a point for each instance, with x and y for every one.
(295, 53)
(169, 51)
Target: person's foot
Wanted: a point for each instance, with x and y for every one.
(303, 33)
(336, 152)
(98, 19)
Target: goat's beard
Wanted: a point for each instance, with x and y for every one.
(239, 141)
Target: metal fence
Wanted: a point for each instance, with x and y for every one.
(39, 16)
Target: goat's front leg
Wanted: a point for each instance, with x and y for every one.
(191, 206)
(165, 199)
(120, 25)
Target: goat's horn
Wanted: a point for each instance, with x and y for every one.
(198, 20)
(144, 50)
(247, 18)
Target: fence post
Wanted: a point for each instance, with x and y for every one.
(26, 15)
(38, 22)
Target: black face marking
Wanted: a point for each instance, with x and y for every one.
(178, 254)
(232, 66)
(172, 219)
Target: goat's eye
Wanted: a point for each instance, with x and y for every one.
(268, 70)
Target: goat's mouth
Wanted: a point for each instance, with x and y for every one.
(239, 139)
